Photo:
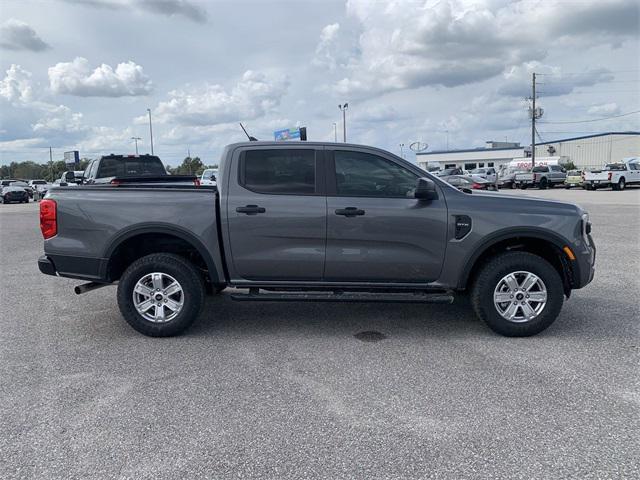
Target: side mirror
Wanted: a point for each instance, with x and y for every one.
(426, 189)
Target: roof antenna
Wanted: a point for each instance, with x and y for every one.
(251, 139)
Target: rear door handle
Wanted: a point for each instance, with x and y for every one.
(251, 209)
(349, 212)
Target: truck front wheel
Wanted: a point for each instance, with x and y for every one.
(517, 294)
(160, 295)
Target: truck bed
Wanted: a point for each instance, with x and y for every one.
(94, 219)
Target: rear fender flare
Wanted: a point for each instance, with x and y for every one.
(167, 229)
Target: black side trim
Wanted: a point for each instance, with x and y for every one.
(214, 275)
(46, 266)
(507, 234)
(84, 268)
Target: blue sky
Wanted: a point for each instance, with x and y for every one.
(81, 74)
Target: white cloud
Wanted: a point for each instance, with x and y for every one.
(18, 35)
(604, 109)
(553, 82)
(77, 78)
(252, 97)
(407, 44)
(171, 8)
(16, 85)
(26, 115)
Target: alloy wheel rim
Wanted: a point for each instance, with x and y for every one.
(158, 297)
(520, 296)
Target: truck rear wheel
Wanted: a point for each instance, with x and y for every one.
(620, 185)
(161, 295)
(517, 294)
(543, 184)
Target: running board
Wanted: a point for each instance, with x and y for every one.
(352, 297)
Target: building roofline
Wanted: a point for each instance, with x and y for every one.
(483, 149)
(468, 150)
(588, 136)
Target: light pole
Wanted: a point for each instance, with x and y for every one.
(343, 109)
(150, 130)
(335, 132)
(135, 139)
(402, 150)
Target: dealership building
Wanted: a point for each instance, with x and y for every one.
(589, 151)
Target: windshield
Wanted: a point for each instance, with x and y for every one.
(540, 169)
(479, 170)
(38, 182)
(574, 173)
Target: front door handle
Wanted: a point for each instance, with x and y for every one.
(251, 209)
(349, 212)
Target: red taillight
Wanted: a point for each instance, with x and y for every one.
(477, 186)
(610, 174)
(196, 182)
(48, 218)
(115, 182)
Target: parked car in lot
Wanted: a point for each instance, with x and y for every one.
(507, 176)
(39, 186)
(614, 175)
(574, 179)
(18, 183)
(13, 193)
(318, 222)
(450, 171)
(469, 181)
(486, 173)
(541, 176)
(70, 178)
(209, 176)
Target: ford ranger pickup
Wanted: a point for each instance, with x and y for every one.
(317, 222)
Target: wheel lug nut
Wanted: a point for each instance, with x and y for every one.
(515, 303)
(527, 296)
(511, 296)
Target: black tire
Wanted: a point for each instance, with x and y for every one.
(488, 279)
(184, 272)
(621, 184)
(567, 187)
(543, 184)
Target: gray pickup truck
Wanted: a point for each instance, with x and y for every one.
(317, 222)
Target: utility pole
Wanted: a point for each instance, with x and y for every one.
(335, 132)
(343, 109)
(135, 139)
(533, 120)
(51, 163)
(150, 130)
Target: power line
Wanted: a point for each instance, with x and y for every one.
(595, 119)
(562, 74)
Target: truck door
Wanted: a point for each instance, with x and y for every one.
(276, 214)
(376, 230)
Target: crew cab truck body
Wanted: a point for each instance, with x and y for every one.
(614, 175)
(541, 176)
(318, 222)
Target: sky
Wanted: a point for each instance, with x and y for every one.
(81, 74)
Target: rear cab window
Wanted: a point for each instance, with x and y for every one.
(279, 171)
(119, 166)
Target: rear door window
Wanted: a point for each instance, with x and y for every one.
(279, 171)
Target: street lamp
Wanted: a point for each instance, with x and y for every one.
(150, 130)
(335, 132)
(135, 139)
(343, 109)
(402, 150)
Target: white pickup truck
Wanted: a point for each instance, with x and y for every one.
(614, 175)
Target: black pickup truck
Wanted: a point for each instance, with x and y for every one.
(317, 222)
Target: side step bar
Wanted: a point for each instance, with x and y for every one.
(352, 297)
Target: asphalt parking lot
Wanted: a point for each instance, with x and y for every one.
(264, 390)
